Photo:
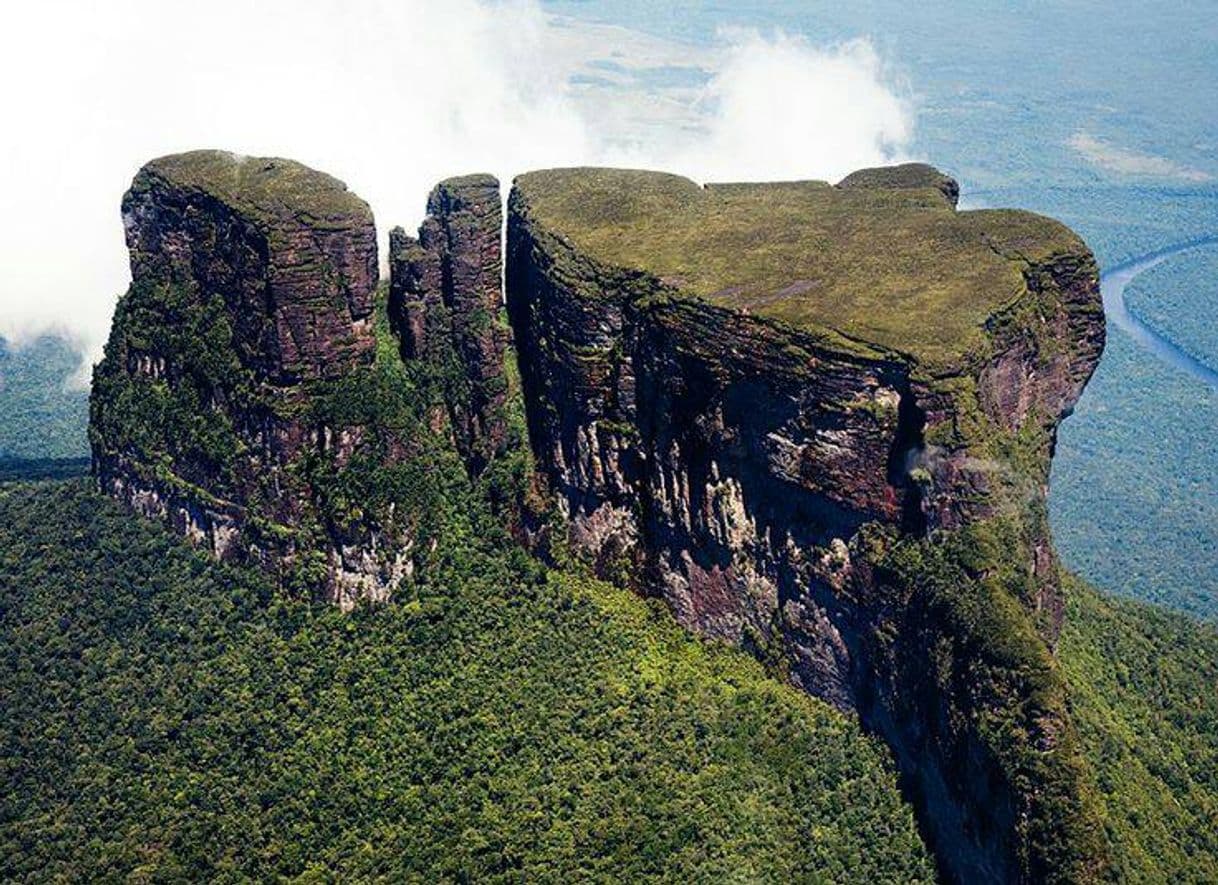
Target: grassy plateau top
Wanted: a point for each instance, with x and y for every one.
(883, 257)
(267, 190)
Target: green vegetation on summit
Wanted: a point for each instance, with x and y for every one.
(874, 524)
(883, 258)
(268, 188)
(857, 501)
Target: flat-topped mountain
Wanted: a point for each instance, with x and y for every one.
(266, 190)
(816, 420)
(882, 259)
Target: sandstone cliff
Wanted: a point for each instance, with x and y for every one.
(446, 303)
(251, 303)
(818, 421)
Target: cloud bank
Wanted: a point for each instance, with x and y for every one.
(779, 108)
(390, 97)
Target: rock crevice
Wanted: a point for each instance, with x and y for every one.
(446, 304)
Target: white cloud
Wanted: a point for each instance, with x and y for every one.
(390, 97)
(781, 109)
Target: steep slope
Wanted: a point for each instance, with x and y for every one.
(446, 306)
(818, 421)
(241, 398)
(167, 718)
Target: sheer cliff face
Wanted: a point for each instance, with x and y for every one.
(252, 289)
(290, 251)
(818, 422)
(446, 304)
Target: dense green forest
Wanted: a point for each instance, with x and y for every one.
(44, 411)
(1134, 496)
(164, 717)
(1143, 682)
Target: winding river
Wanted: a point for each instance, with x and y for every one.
(1112, 286)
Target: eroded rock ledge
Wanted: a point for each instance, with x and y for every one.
(818, 421)
(251, 303)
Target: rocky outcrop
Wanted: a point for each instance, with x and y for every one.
(290, 251)
(252, 296)
(446, 303)
(818, 422)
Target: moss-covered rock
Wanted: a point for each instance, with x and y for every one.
(882, 258)
(289, 250)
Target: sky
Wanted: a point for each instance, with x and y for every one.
(390, 97)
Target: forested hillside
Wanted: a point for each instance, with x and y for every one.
(501, 723)
(1143, 683)
(165, 717)
(44, 411)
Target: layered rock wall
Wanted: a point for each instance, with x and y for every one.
(831, 505)
(446, 302)
(817, 421)
(252, 293)
(290, 251)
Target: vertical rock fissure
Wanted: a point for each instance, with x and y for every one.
(870, 529)
(445, 299)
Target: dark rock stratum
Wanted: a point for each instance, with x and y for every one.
(817, 420)
(252, 293)
(446, 305)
